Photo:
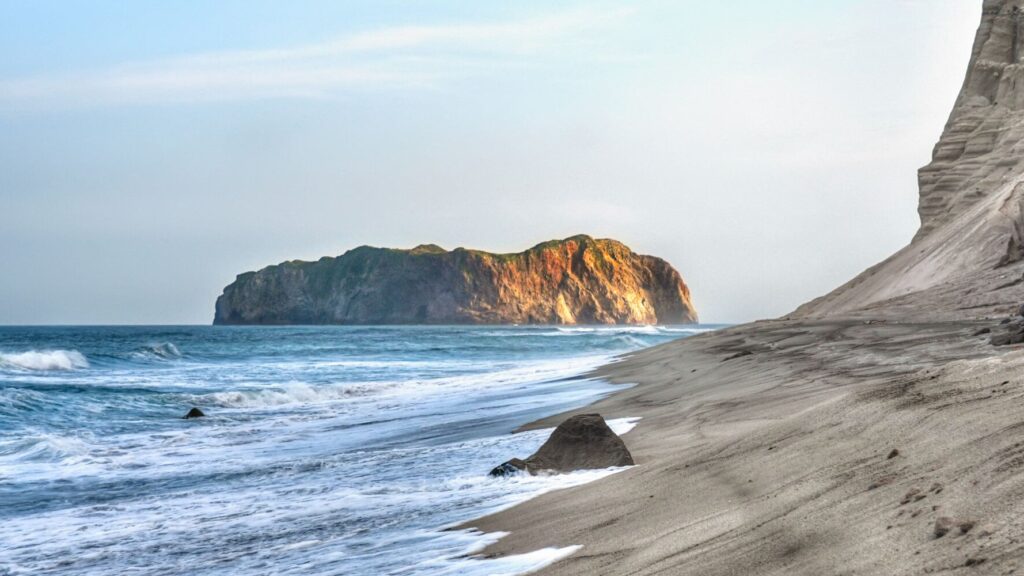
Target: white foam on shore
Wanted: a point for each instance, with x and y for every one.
(309, 462)
(514, 565)
(45, 360)
(519, 564)
(299, 393)
(623, 425)
(533, 561)
(640, 329)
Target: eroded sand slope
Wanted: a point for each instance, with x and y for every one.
(967, 258)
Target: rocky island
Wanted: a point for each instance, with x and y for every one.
(578, 280)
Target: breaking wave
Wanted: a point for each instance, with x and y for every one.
(290, 393)
(164, 351)
(43, 447)
(299, 392)
(44, 360)
(640, 330)
(608, 330)
(630, 341)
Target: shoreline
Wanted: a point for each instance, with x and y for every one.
(380, 446)
(534, 560)
(763, 449)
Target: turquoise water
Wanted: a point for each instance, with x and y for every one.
(326, 450)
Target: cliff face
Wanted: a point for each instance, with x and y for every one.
(966, 258)
(980, 148)
(579, 280)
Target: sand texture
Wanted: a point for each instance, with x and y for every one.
(765, 449)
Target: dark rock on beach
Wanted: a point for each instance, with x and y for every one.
(943, 525)
(510, 468)
(194, 413)
(583, 442)
(739, 354)
(1009, 334)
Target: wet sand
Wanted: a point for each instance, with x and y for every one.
(769, 448)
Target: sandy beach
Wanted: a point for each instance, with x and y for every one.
(800, 447)
(876, 430)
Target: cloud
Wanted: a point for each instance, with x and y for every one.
(403, 57)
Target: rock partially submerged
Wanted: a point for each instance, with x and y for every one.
(583, 442)
(194, 413)
(510, 468)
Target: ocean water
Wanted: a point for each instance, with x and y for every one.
(325, 450)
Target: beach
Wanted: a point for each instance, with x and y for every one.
(799, 447)
(875, 430)
(492, 289)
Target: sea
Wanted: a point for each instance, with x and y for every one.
(324, 450)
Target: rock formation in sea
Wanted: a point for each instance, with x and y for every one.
(579, 280)
(582, 442)
(968, 255)
(194, 413)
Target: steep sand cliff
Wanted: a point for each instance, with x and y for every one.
(579, 280)
(966, 259)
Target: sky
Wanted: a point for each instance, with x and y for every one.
(150, 151)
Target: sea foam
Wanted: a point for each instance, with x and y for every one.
(256, 396)
(44, 360)
(327, 450)
(163, 351)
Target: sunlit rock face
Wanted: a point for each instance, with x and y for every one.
(579, 280)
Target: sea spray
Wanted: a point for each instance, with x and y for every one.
(44, 360)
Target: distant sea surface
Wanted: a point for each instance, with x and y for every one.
(325, 450)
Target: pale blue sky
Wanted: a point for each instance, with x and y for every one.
(150, 151)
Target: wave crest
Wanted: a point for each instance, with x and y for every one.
(163, 351)
(44, 360)
(43, 448)
(290, 393)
